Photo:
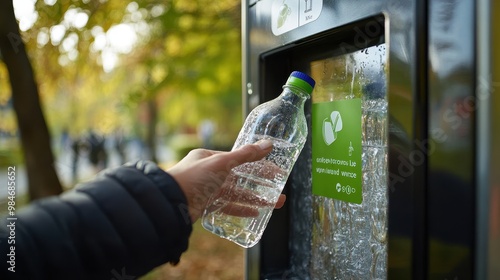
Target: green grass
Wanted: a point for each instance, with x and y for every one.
(10, 156)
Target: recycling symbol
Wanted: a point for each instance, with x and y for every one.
(331, 127)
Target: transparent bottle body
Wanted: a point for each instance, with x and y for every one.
(242, 208)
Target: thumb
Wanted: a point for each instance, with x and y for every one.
(248, 153)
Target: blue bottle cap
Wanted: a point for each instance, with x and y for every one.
(301, 80)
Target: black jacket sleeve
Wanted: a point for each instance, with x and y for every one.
(121, 225)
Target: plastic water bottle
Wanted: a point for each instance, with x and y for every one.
(242, 208)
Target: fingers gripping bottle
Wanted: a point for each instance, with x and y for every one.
(242, 208)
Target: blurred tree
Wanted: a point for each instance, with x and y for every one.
(112, 65)
(192, 59)
(35, 139)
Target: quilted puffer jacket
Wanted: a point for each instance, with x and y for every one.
(121, 225)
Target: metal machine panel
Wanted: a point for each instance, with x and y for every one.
(437, 220)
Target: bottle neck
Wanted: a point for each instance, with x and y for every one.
(294, 95)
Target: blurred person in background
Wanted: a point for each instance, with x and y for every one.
(119, 145)
(98, 155)
(76, 144)
(206, 131)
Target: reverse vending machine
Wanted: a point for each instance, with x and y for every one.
(397, 179)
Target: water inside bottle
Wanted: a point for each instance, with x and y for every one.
(241, 210)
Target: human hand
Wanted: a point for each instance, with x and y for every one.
(202, 172)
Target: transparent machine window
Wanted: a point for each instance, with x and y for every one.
(349, 240)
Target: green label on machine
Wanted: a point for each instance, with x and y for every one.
(336, 150)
